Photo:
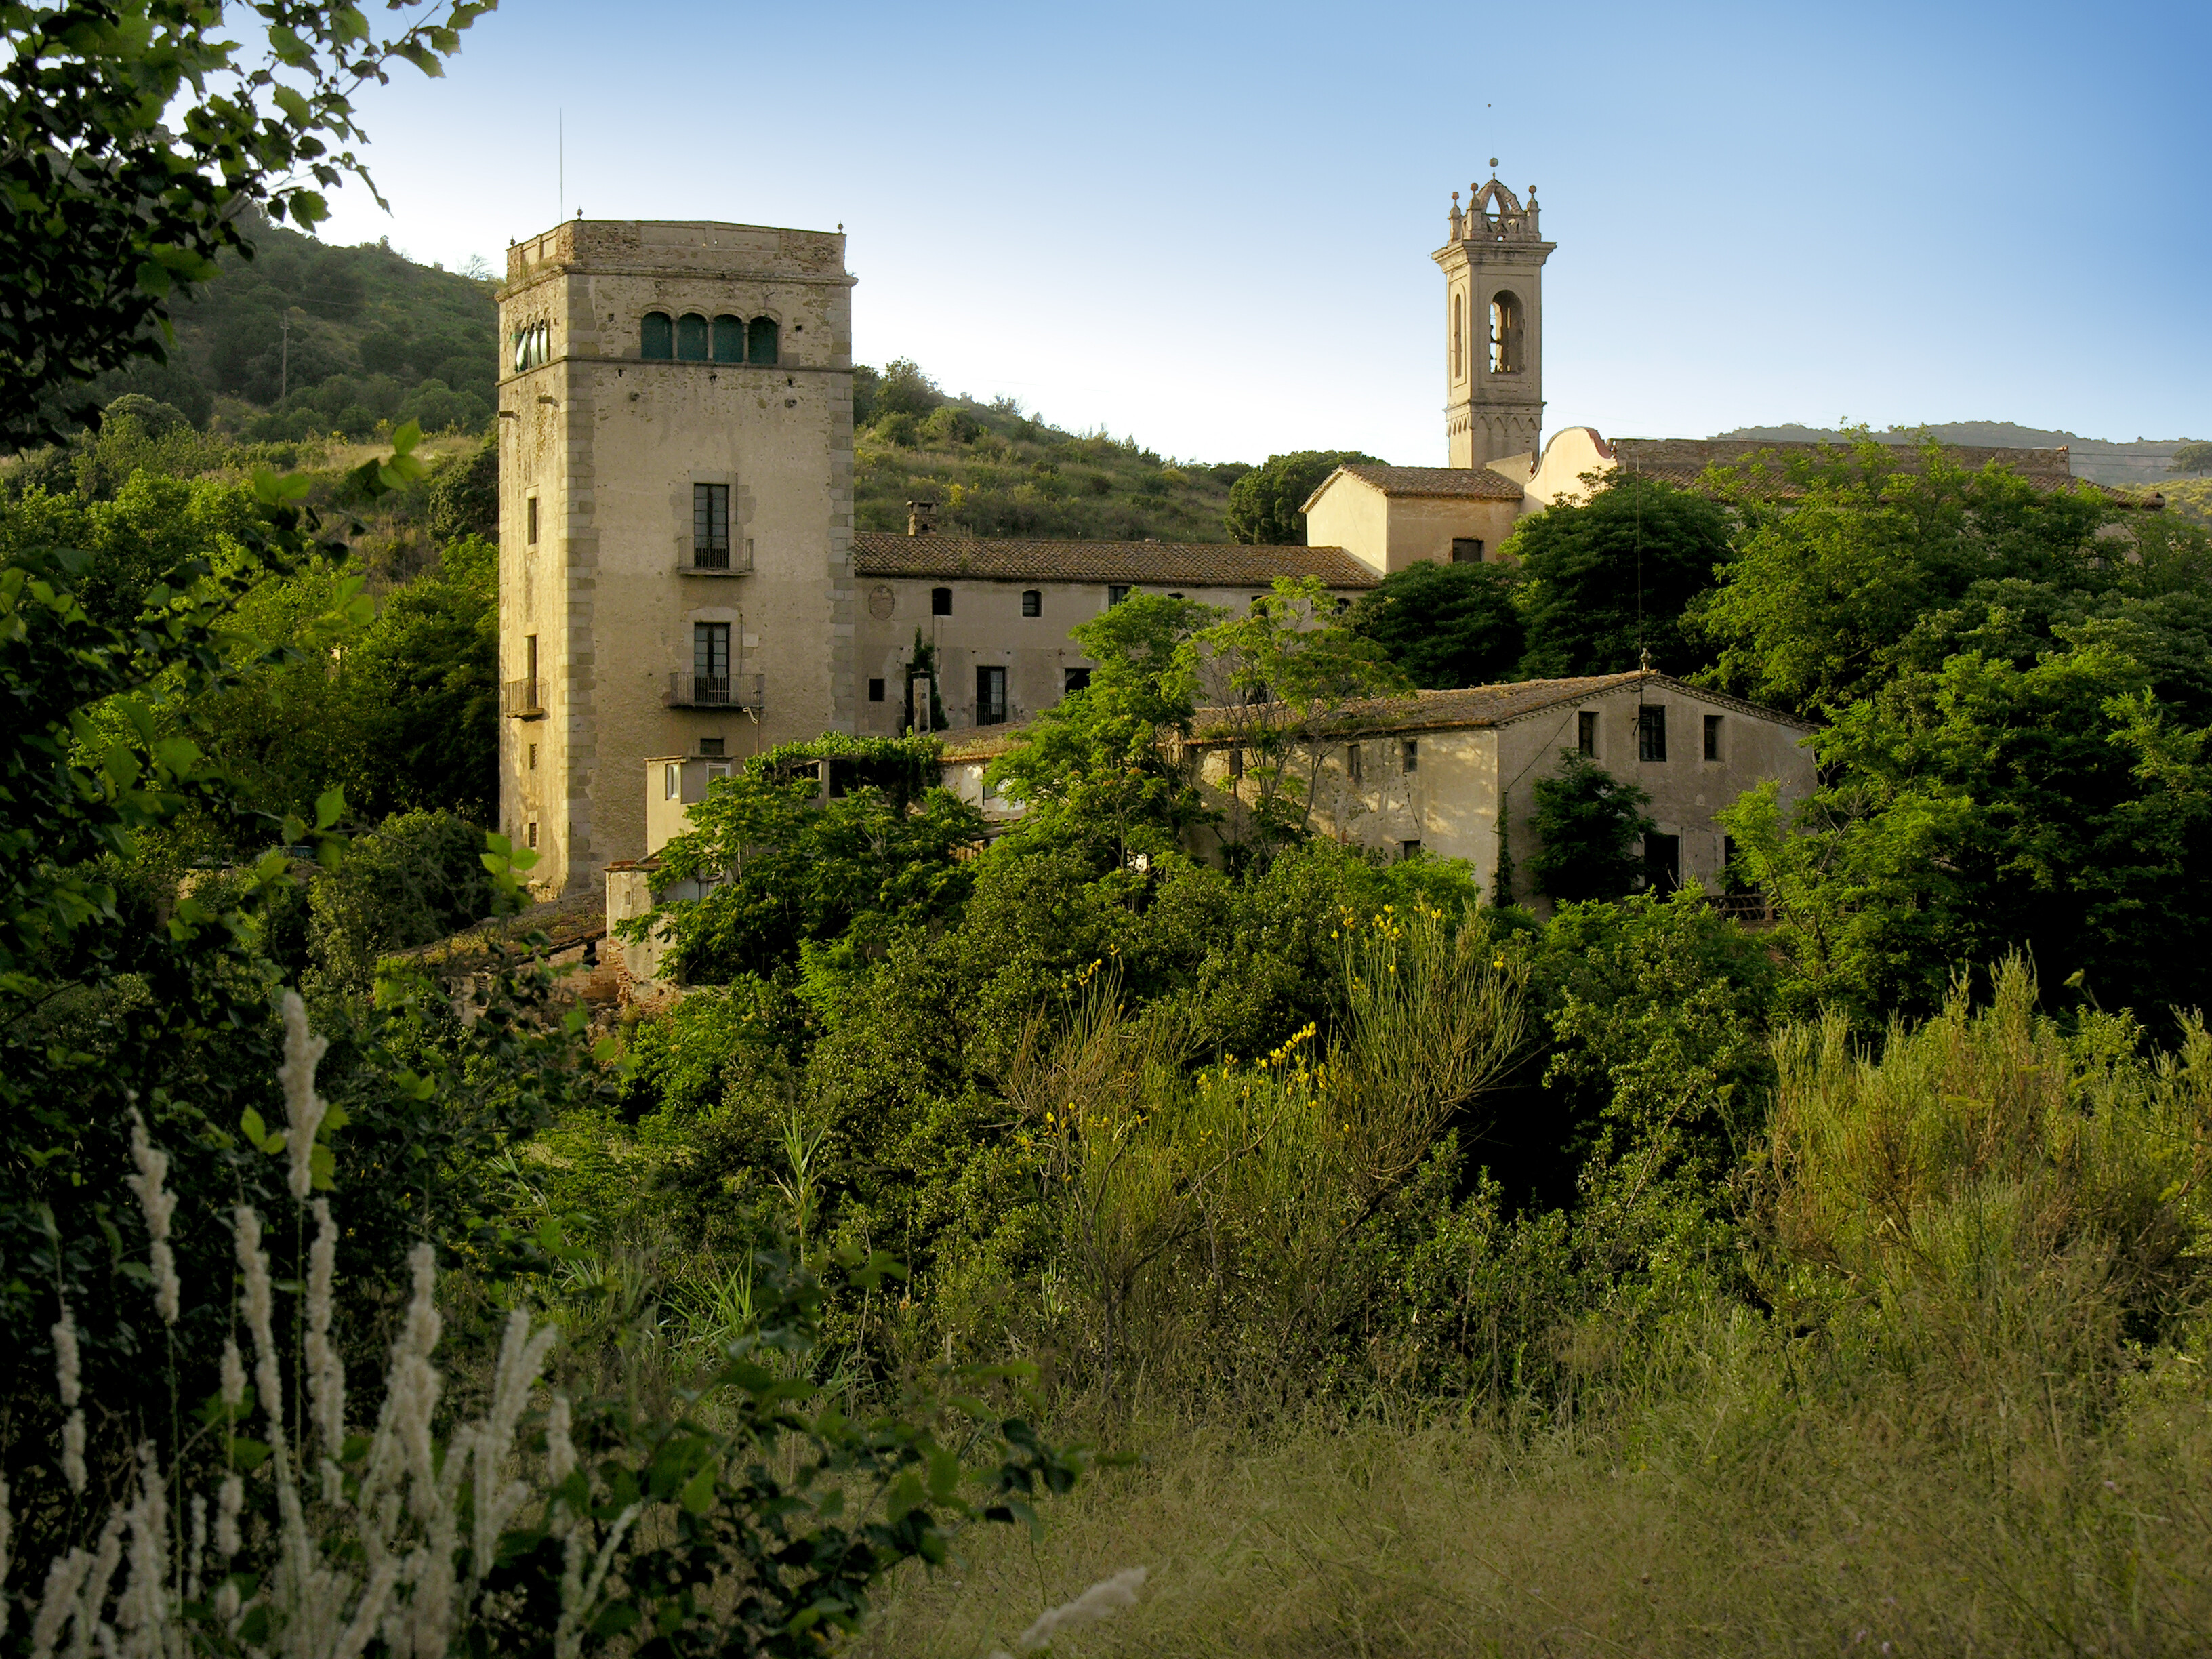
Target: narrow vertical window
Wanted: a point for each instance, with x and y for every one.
(691, 339)
(1506, 334)
(940, 601)
(1236, 762)
(1586, 733)
(1352, 769)
(530, 670)
(1651, 733)
(672, 781)
(1459, 337)
(729, 339)
(710, 526)
(1032, 602)
(710, 662)
(761, 341)
(1712, 736)
(530, 522)
(533, 757)
(990, 697)
(657, 336)
(533, 833)
(1413, 751)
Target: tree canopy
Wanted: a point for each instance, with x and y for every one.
(1445, 625)
(1264, 503)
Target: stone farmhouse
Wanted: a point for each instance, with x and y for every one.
(680, 576)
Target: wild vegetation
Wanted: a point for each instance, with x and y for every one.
(1603, 1275)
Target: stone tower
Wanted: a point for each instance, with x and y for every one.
(1494, 327)
(675, 511)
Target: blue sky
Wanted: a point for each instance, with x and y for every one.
(1209, 225)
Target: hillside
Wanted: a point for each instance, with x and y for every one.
(993, 471)
(2144, 461)
(374, 337)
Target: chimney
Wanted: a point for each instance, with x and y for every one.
(921, 517)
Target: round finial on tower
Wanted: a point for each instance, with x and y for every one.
(1455, 200)
(1493, 167)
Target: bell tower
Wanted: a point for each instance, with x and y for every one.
(1494, 269)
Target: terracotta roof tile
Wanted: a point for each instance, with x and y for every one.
(1195, 564)
(1490, 705)
(1476, 483)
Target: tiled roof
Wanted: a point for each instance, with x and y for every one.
(1483, 705)
(566, 922)
(1471, 484)
(1684, 461)
(981, 743)
(1149, 564)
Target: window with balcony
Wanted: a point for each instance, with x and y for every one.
(710, 662)
(990, 697)
(710, 526)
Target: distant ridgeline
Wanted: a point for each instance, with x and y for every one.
(374, 337)
(2145, 461)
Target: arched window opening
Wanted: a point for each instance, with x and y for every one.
(729, 339)
(761, 341)
(657, 339)
(1459, 336)
(521, 350)
(691, 339)
(1505, 335)
(940, 601)
(544, 344)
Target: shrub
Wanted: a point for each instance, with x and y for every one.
(1589, 825)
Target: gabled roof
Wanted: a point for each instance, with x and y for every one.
(1193, 564)
(1460, 484)
(1479, 706)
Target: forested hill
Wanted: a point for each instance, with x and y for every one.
(374, 337)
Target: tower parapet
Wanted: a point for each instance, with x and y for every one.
(1494, 269)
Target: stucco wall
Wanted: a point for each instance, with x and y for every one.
(611, 445)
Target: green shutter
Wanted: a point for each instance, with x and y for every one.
(692, 338)
(761, 340)
(658, 337)
(729, 339)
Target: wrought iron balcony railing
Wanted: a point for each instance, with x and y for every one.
(745, 691)
(706, 559)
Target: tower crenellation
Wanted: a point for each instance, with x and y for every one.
(1493, 267)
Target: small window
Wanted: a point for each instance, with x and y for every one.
(657, 337)
(729, 339)
(1352, 767)
(1116, 592)
(1408, 849)
(1412, 753)
(940, 601)
(990, 697)
(1466, 550)
(875, 690)
(1651, 733)
(710, 526)
(530, 522)
(1074, 680)
(1236, 762)
(672, 781)
(1586, 733)
(533, 833)
(533, 757)
(1662, 862)
(1712, 736)
(1032, 602)
(691, 339)
(716, 769)
(761, 341)
(710, 746)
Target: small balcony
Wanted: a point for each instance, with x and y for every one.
(517, 699)
(715, 558)
(745, 691)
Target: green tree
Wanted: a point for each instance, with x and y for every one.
(425, 682)
(1445, 625)
(1589, 828)
(903, 389)
(1290, 682)
(1264, 503)
(1605, 579)
(2192, 457)
(416, 878)
(787, 866)
(1860, 566)
(135, 140)
(1103, 766)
